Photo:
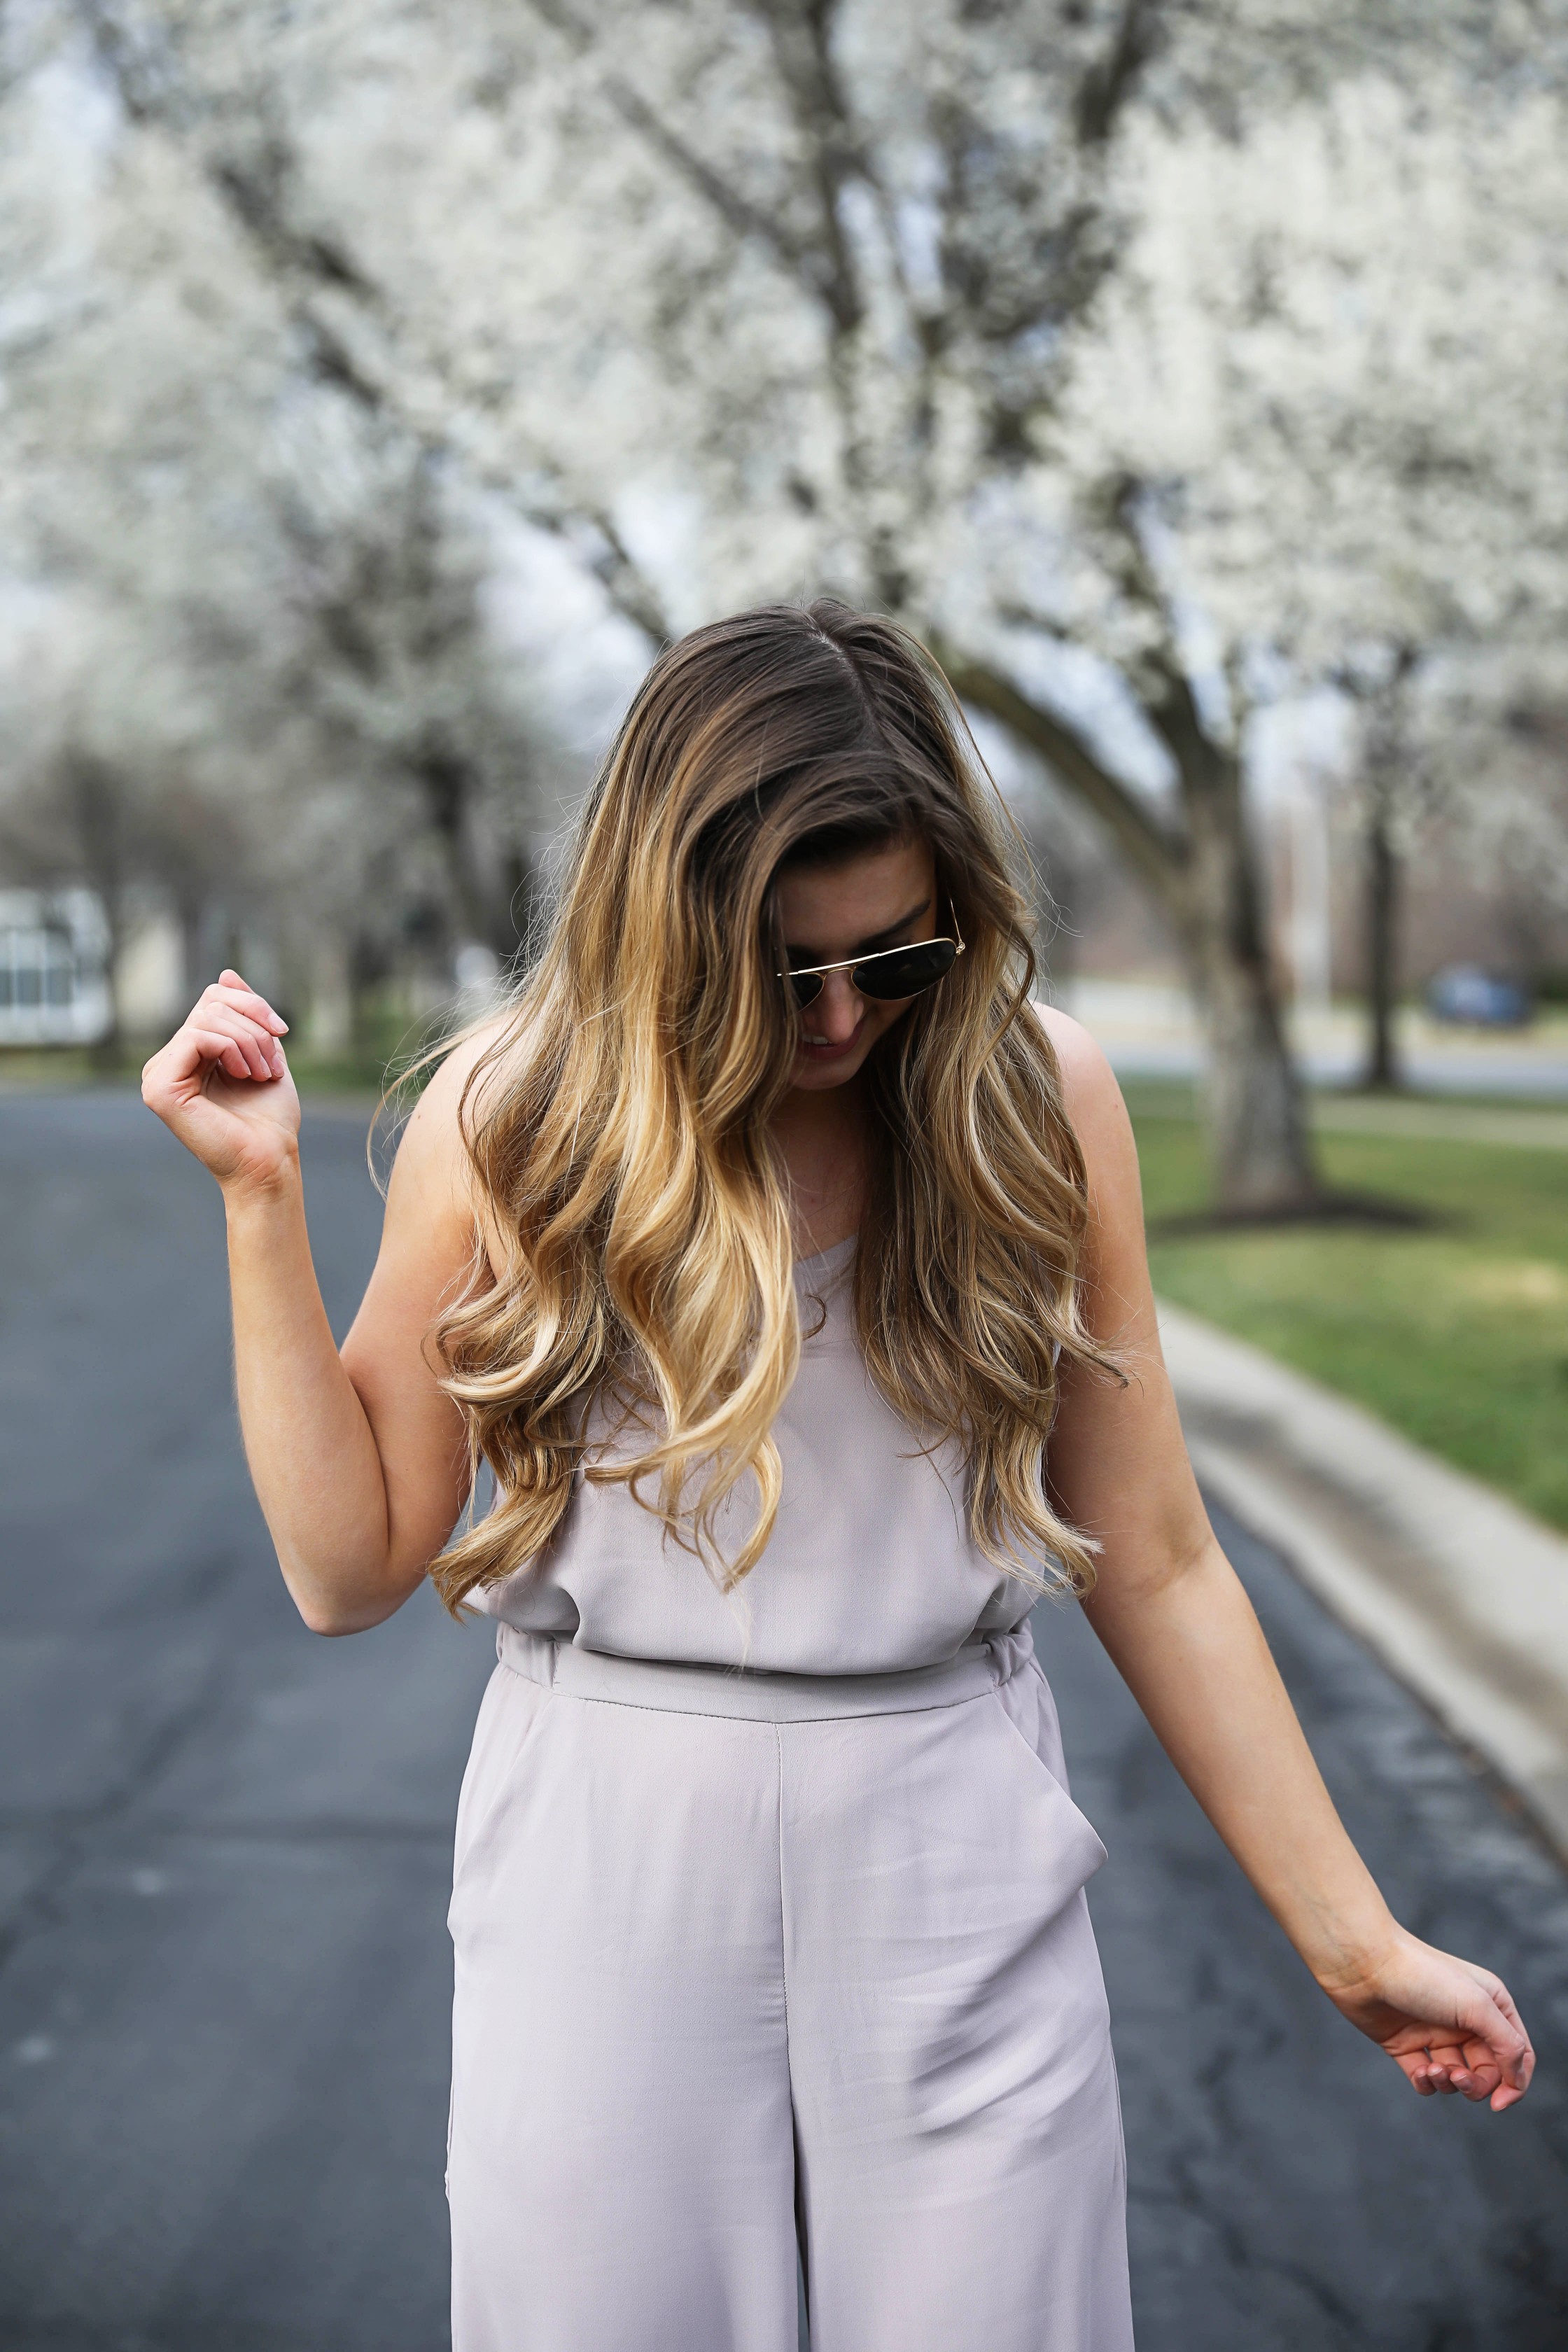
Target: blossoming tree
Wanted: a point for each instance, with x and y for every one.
(915, 300)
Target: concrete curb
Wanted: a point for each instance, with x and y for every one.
(1462, 1595)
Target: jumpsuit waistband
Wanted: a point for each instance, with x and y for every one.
(669, 1686)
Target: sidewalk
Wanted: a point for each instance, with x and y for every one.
(1148, 1031)
(1462, 1597)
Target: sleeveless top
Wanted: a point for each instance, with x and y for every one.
(869, 1568)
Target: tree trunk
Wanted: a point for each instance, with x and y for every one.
(1250, 1091)
(1201, 870)
(330, 1023)
(105, 1054)
(96, 799)
(518, 909)
(1382, 946)
(482, 898)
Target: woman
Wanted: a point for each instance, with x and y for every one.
(759, 1250)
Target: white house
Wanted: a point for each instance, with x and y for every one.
(54, 984)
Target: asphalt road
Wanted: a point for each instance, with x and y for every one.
(224, 1970)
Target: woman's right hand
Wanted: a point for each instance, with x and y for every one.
(222, 1085)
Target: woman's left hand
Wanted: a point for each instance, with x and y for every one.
(1447, 2025)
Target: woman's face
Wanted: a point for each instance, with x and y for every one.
(884, 897)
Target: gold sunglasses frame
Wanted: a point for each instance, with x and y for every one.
(853, 963)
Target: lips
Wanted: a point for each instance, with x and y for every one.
(824, 1049)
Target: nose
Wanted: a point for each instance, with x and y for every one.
(835, 1016)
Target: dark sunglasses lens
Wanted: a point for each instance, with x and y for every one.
(906, 970)
(805, 987)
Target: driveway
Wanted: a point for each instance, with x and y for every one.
(224, 1850)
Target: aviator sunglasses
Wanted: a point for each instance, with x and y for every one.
(891, 974)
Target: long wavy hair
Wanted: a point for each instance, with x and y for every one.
(619, 1123)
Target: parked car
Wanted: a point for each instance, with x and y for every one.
(1466, 994)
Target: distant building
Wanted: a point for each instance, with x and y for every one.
(53, 968)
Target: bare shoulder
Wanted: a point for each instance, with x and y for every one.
(1121, 1305)
(433, 1172)
(1089, 1092)
(427, 1240)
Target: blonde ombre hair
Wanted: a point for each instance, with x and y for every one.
(618, 1125)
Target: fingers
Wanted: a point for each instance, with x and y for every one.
(1452, 2029)
(235, 1043)
(1497, 2061)
(1431, 2073)
(1485, 2054)
(230, 1029)
(1446, 2070)
(238, 1030)
(1517, 2065)
(239, 1054)
(233, 992)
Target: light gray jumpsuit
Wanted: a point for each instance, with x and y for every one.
(801, 1943)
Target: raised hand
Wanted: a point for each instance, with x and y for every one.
(222, 1085)
(1448, 2025)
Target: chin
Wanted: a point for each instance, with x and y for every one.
(817, 1076)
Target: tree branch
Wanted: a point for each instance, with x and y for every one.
(735, 209)
(305, 265)
(1172, 709)
(1107, 85)
(1154, 849)
(822, 272)
(801, 35)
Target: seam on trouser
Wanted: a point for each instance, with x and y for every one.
(999, 1661)
(800, 2247)
(776, 1723)
(784, 1954)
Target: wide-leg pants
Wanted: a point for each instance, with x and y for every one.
(740, 1957)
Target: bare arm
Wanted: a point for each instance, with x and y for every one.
(1170, 1612)
(358, 1459)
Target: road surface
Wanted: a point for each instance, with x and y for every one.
(224, 1845)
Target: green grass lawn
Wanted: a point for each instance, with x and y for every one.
(389, 1040)
(1456, 1334)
